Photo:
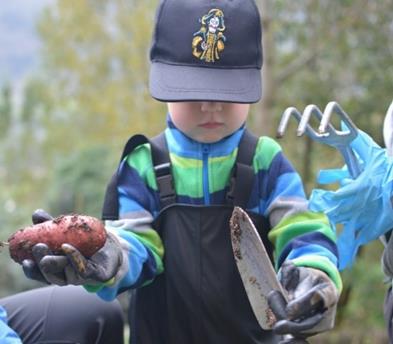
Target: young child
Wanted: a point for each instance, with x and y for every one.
(168, 207)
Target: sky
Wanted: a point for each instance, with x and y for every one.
(19, 43)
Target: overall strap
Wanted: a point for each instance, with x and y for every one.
(162, 168)
(242, 178)
(110, 209)
(242, 175)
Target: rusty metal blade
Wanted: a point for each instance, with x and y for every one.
(254, 265)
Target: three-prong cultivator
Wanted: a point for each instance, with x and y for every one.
(326, 133)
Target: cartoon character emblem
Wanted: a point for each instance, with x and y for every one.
(208, 42)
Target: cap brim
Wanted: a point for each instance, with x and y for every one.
(174, 83)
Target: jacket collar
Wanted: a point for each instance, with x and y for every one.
(182, 145)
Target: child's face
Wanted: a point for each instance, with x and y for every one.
(208, 121)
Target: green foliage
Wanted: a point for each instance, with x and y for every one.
(37, 102)
(325, 51)
(79, 182)
(96, 54)
(5, 110)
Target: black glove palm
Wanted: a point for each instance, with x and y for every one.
(79, 270)
(312, 302)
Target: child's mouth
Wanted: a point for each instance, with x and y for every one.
(211, 125)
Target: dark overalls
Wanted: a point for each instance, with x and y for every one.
(200, 298)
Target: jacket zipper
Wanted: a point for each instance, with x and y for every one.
(205, 173)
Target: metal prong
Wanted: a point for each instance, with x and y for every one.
(334, 107)
(307, 113)
(326, 133)
(291, 111)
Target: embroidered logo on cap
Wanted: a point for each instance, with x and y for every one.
(208, 42)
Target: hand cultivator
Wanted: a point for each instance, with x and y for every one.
(327, 134)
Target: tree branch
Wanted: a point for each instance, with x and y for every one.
(294, 66)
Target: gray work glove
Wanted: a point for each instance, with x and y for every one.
(73, 267)
(312, 303)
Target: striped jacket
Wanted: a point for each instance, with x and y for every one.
(201, 174)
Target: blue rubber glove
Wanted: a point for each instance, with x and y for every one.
(362, 205)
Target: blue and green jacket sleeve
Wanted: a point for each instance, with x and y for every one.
(138, 205)
(304, 237)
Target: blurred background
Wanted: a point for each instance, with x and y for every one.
(73, 88)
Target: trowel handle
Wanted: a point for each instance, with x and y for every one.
(278, 304)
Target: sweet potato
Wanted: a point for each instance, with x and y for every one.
(85, 233)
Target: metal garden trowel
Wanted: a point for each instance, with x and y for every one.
(256, 271)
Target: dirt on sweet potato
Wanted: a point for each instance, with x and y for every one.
(85, 233)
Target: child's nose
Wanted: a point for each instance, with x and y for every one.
(211, 106)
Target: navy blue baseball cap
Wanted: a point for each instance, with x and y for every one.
(206, 50)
